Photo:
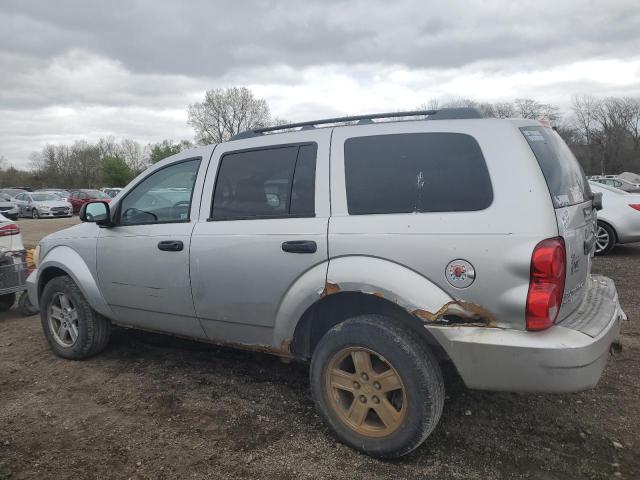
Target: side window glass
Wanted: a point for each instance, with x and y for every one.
(162, 197)
(415, 172)
(270, 183)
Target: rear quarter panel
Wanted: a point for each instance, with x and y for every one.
(497, 241)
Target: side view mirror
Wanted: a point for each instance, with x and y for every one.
(96, 212)
(597, 200)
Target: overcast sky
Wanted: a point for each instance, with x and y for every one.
(84, 69)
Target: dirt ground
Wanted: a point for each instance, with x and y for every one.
(33, 230)
(153, 407)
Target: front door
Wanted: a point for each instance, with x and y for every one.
(143, 261)
(266, 229)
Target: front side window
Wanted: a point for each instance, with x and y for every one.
(415, 172)
(162, 197)
(269, 183)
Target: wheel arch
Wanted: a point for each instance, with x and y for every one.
(63, 260)
(356, 285)
(612, 227)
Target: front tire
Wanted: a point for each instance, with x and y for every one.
(377, 385)
(72, 328)
(35, 214)
(605, 239)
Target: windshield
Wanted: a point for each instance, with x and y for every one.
(565, 178)
(96, 194)
(608, 187)
(43, 197)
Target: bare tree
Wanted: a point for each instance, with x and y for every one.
(529, 108)
(133, 155)
(227, 112)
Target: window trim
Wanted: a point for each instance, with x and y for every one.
(118, 210)
(472, 137)
(211, 218)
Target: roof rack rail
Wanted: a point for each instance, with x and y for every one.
(441, 114)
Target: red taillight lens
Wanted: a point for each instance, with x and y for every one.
(546, 284)
(11, 229)
(635, 206)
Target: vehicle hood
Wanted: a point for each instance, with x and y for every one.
(7, 204)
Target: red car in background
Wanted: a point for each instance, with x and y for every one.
(80, 197)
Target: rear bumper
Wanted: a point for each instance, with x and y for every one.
(562, 358)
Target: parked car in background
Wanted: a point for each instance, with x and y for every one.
(8, 206)
(368, 249)
(13, 267)
(61, 194)
(619, 183)
(112, 192)
(12, 192)
(37, 205)
(619, 219)
(78, 198)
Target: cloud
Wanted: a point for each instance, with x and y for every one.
(74, 69)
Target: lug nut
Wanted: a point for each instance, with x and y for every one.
(365, 377)
(376, 400)
(376, 385)
(363, 399)
(356, 385)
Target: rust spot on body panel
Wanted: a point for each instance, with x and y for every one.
(458, 313)
(330, 289)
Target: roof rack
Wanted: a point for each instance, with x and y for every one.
(441, 114)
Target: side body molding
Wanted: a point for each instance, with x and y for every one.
(68, 260)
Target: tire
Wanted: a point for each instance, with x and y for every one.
(395, 353)
(34, 213)
(91, 331)
(25, 306)
(7, 301)
(605, 239)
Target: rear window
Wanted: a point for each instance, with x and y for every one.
(564, 175)
(415, 172)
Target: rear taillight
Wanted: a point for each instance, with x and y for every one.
(635, 206)
(11, 229)
(546, 284)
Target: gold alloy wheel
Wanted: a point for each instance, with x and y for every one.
(365, 391)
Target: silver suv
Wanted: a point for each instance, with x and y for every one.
(371, 248)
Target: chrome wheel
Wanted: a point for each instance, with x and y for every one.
(602, 239)
(63, 320)
(366, 392)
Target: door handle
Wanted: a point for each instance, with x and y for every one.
(170, 245)
(300, 246)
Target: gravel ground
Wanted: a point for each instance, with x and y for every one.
(155, 407)
(33, 230)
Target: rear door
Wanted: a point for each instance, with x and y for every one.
(572, 200)
(264, 219)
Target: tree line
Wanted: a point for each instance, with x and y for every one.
(603, 133)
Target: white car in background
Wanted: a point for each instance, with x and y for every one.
(619, 219)
(13, 268)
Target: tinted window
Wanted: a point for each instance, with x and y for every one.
(162, 197)
(270, 183)
(416, 172)
(565, 178)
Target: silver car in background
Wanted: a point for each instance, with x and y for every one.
(8, 206)
(37, 205)
(619, 219)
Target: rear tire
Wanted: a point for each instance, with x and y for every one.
(7, 301)
(72, 328)
(385, 406)
(605, 239)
